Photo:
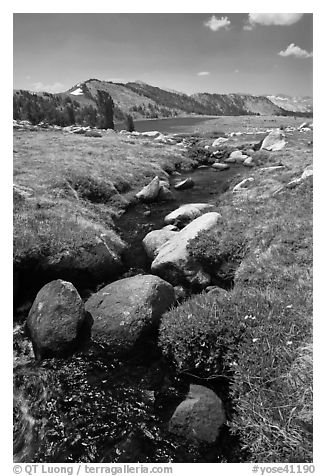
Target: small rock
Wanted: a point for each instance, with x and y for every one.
(219, 166)
(93, 134)
(199, 417)
(186, 213)
(243, 184)
(150, 192)
(219, 141)
(185, 184)
(249, 162)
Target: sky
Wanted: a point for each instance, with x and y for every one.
(257, 53)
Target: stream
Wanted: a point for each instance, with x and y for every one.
(89, 409)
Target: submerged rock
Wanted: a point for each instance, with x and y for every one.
(126, 310)
(199, 417)
(187, 213)
(173, 262)
(57, 320)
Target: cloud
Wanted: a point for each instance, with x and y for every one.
(49, 88)
(203, 73)
(293, 50)
(216, 24)
(271, 19)
(236, 71)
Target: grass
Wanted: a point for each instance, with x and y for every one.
(259, 335)
(78, 185)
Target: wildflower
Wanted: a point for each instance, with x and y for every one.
(255, 340)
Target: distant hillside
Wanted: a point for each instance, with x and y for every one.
(239, 104)
(297, 103)
(101, 103)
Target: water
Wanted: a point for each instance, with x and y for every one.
(169, 125)
(134, 225)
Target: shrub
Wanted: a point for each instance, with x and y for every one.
(90, 188)
(221, 250)
(196, 335)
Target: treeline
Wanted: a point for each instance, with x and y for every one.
(152, 111)
(62, 110)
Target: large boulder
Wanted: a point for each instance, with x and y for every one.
(184, 184)
(125, 311)
(274, 141)
(57, 321)
(199, 417)
(164, 194)
(173, 262)
(186, 213)
(155, 239)
(150, 191)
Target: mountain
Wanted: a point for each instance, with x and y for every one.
(302, 104)
(99, 103)
(239, 104)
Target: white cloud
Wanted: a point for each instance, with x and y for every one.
(272, 19)
(217, 23)
(236, 71)
(293, 50)
(203, 73)
(49, 88)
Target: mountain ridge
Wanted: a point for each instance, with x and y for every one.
(140, 100)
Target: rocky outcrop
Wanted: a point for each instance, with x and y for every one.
(199, 417)
(155, 239)
(274, 141)
(186, 213)
(219, 141)
(57, 321)
(173, 262)
(125, 311)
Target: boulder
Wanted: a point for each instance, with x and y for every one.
(170, 227)
(150, 192)
(307, 173)
(155, 239)
(186, 213)
(243, 184)
(229, 160)
(274, 141)
(126, 311)
(173, 262)
(184, 184)
(199, 417)
(219, 166)
(57, 321)
(219, 141)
